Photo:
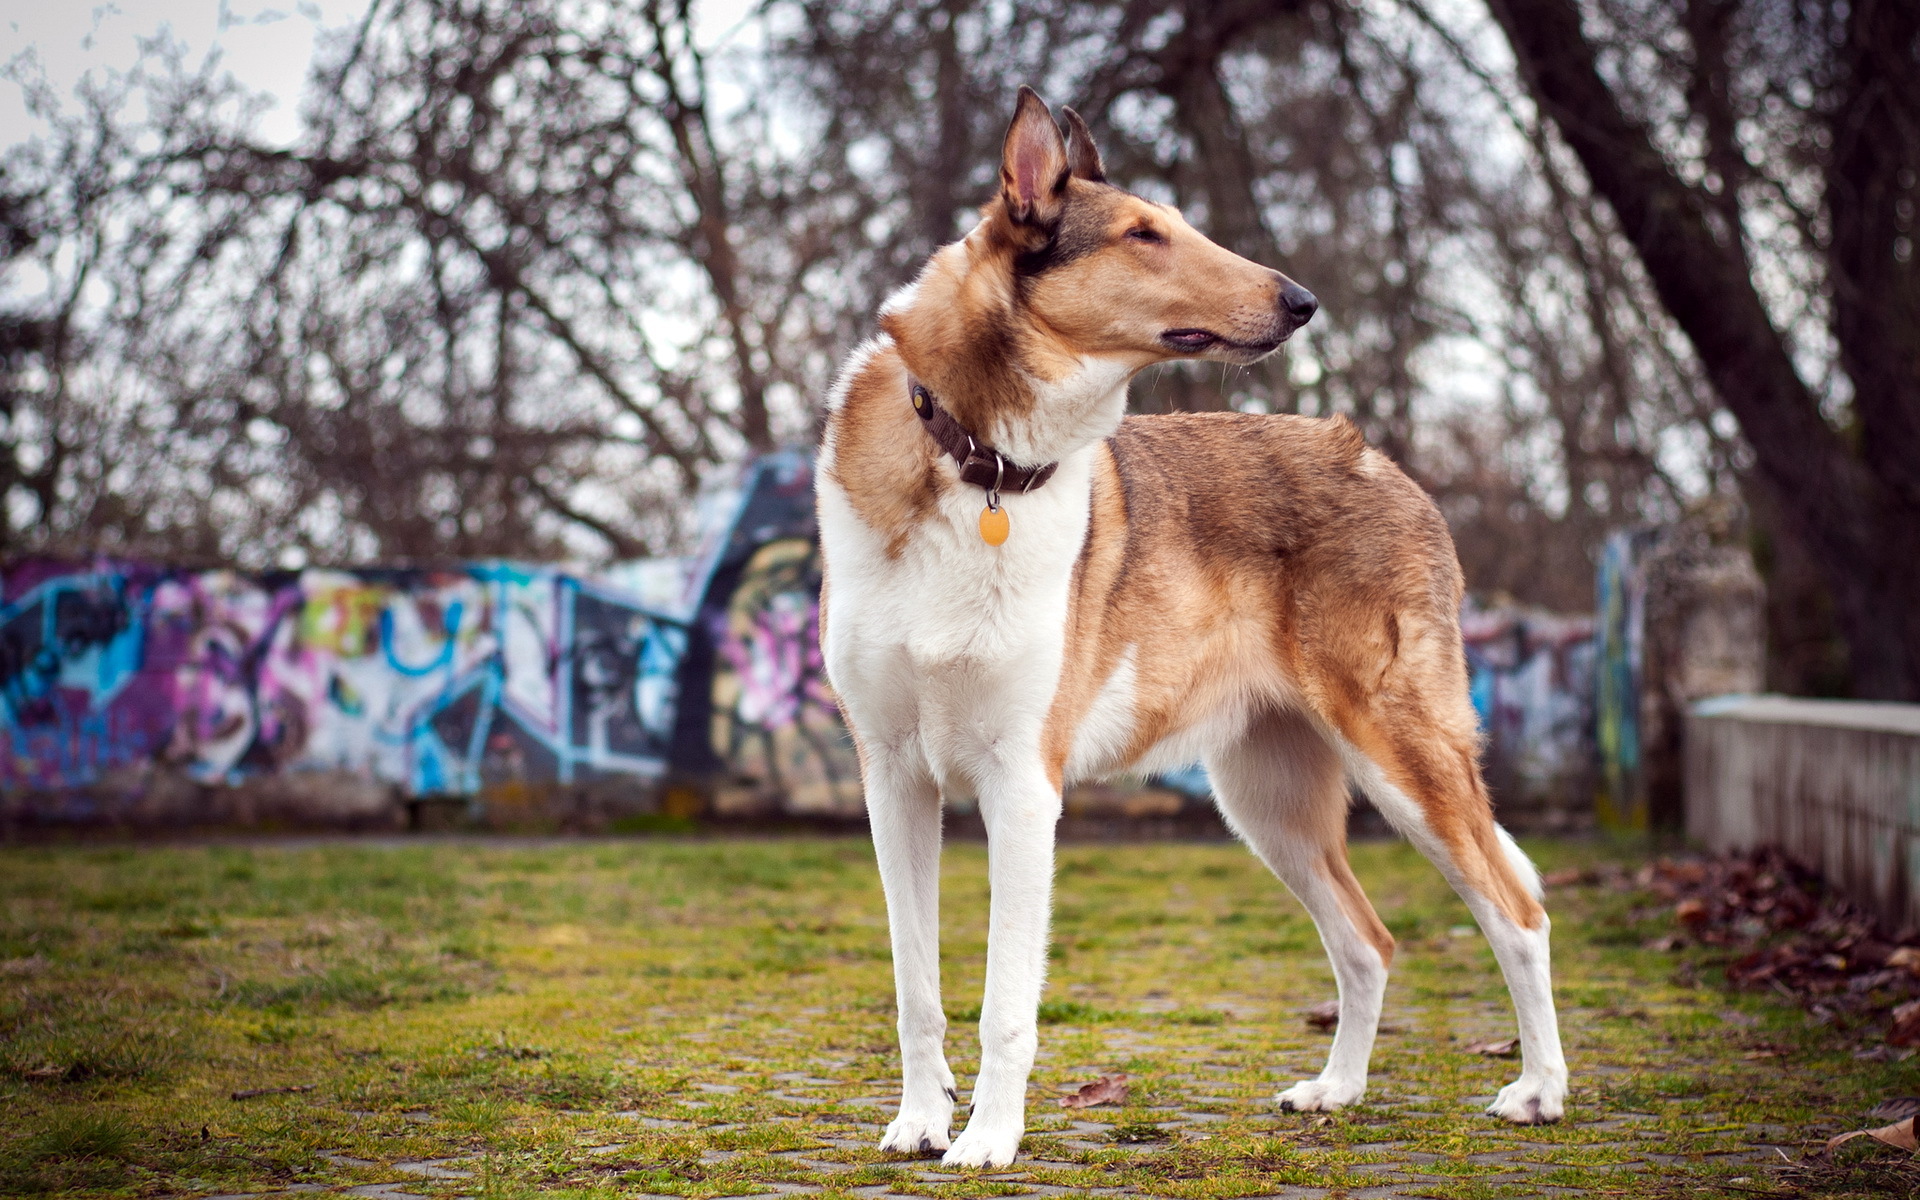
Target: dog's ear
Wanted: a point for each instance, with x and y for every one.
(1083, 157)
(1033, 164)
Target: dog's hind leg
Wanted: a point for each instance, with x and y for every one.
(1424, 777)
(1283, 790)
(903, 807)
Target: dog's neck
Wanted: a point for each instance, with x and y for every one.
(961, 329)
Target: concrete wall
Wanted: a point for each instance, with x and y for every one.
(1836, 784)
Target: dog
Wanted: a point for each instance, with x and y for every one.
(1023, 587)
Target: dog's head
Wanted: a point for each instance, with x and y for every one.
(1121, 277)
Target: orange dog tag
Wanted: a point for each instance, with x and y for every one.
(994, 525)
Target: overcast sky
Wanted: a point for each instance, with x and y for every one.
(266, 44)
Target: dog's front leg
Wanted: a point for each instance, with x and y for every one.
(1020, 818)
(903, 807)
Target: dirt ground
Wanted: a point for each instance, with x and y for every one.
(695, 1017)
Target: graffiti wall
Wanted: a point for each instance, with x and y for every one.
(703, 672)
(759, 721)
(437, 682)
(1532, 680)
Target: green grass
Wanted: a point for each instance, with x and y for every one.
(709, 1017)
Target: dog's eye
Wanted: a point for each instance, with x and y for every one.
(1142, 233)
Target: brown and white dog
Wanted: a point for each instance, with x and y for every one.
(1266, 594)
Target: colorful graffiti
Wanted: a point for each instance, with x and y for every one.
(439, 682)
(1619, 638)
(758, 722)
(1531, 677)
(774, 719)
(703, 671)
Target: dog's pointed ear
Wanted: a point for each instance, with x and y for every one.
(1033, 164)
(1083, 157)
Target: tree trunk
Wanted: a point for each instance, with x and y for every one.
(1857, 516)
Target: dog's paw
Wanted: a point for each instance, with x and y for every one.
(918, 1133)
(1320, 1095)
(983, 1148)
(1531, 1100)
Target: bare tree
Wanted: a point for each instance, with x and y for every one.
(516, 277)
(1340, 143)
(1764, 160)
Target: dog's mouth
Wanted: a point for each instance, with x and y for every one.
(1199, 341)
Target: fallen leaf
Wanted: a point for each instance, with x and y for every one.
(1906, 958)
(1324, 1016)
(1901, 1135)
(1108, 1089)
(1756, 1055)
(46, 1072)
(1896, 1108)
(1493, 1047)
(1691, 911)
(250, 1093)
(1566, 878)
(1906, 1025)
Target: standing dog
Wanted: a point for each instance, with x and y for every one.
(1024, 588)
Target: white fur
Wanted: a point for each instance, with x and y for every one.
(1067, 414)
(1273, 787)
(946, 671)
(850, 370)
(1521, 864)
(1106, 731)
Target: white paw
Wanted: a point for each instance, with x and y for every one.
(1321, 1095)
(918, 1133)
(983, 1148)
(1531, 1100)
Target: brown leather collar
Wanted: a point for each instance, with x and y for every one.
(980, 465)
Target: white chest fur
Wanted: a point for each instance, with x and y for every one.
(954, 647)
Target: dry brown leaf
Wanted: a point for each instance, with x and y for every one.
(1566, 878)
(1906, 958)
(1108, 1089)
(1906, 1025)
(1901, 1135)
(1493, 1047)
(1324, 1016)
(1896, 1108)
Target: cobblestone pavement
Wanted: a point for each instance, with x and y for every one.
(704, 1018)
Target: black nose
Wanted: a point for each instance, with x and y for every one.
(1298, 302)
